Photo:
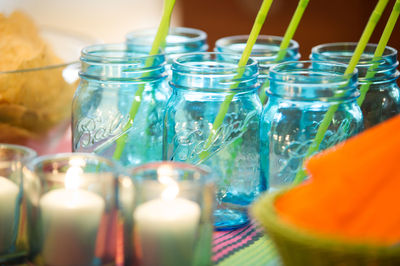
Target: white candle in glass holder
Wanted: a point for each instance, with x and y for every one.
(166, 229)
(8, 204)
(70, 220)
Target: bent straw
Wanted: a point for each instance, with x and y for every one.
(255, 31)
(159, 42)
(290, 31)
(387, 32)
(362, 43)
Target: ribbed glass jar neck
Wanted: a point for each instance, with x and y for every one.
(385, 67)
(312, 81)
(179, 40)
(115, 62)
(265, 50)
(214, 72)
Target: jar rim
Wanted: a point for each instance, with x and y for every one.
(203, 170)
(119, 53)
(181, 63)
(34, 163)
(299, 72)
(350, 47)
(193, 35)
(26, 152)
(262, 39)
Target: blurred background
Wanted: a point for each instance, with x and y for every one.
(324, 21)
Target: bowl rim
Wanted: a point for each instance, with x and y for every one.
(264, 212)
(52, 29)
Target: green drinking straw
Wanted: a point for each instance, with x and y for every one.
(158, 43)
(362, 43)
(255, 31)
(290, 31)
(387, 32)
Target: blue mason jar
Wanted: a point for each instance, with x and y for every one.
(201, 82)
(265, 51)
(382, 100)
(300, 94)
(179, 41)
(115, 81)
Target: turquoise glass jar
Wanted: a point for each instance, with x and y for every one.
(300, 94)
(265, 51)
(113, 79)
(382, 100)
(201, 83)
(179, 41)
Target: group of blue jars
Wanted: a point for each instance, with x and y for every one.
(138, 108)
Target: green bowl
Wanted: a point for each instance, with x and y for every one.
(300, 247)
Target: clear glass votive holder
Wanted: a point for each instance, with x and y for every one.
(167, 209)
(13, 240)
(72, 209)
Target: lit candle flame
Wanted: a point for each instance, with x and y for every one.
(73, 175)
(170, 192)
(166, 176)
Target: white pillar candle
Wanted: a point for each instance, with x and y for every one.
(166, 231)
(8, 204)
(70, 223)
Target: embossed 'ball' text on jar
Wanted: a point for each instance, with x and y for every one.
(118, 107)
(203, 84)
(300, 95)
(376, 76)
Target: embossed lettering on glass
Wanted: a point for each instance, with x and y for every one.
(111, 76)
(300, 94)
(265, 51)
(382, 100)
(201, 82)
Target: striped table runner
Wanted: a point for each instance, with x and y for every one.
(244, 246)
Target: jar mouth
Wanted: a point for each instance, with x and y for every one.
(313, 81)
(214, 72)
(13, 152)
(211, 63)
(119, 53)
(343, 51)
(311, 72)
(46, 162)
(176, 36)
(265, 46)
(197, 173)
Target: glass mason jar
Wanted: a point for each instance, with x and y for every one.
(265, 51)
(179, 41)
(299, 96)
(114, 84)
(382, 100)
(203, 84)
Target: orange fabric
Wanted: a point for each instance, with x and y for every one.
(354, 191)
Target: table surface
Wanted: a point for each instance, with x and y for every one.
(244, 246)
